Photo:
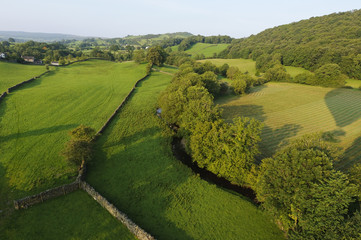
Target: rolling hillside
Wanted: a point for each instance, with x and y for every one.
(335, 38)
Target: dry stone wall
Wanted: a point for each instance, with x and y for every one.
(46, 195)
(81, 184)
(101, 130)
(133, 228)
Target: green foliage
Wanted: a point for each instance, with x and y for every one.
(222, 70)
(329, 75)
(211, 82)
(243, 82)
(277, 73)
(305, 78)
(355, 177)
(302, 190)
(227, 150)
(139, 56)
(232, 72)
(239, 86)
(156, 55)
(157, 191)
(309, 43)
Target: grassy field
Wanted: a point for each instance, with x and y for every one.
(14, 73)
(74, 216)
(35, 121)
(135, 169)
(204, 48)
(353, 83)
(248, 65)
(291, 110)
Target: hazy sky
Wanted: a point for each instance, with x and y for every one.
(112, 18)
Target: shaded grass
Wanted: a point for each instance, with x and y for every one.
(35, 121)
(74, 216)
(292, 110)
(14, 73)
(135, 169)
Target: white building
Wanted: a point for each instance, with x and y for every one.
(2, 55)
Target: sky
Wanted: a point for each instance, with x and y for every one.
(112, 18)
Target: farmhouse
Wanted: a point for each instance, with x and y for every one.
(2, 55)
(29, 59)
(55, 63)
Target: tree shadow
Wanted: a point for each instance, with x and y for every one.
(351, 155)
(37, 132)
(273, 139)
(252, 111)
(345, 108)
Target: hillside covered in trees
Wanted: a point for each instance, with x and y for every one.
(312, 43)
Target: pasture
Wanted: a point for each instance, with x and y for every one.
(135, 169)
(14, 73)
(74, 216)
(248, 65)
(35, 121)
(204, 48)
(291, 110)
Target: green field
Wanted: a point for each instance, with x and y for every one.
(353, 83)
(248, 65)
(74, 216)
(35, 121)
(135, 169)
(291, 110)
(204, 48)
(14, 73)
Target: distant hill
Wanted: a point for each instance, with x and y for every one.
(38, 37)
(335, 38)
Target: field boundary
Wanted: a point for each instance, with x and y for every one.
(79, 183)
(16, 86)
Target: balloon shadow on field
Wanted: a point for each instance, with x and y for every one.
(345, 108)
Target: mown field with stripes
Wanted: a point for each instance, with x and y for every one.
(292, 110)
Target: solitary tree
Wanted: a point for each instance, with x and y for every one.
(79, 148)
(156, 55)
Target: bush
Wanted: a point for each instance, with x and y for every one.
(278, 74)
(329, 75)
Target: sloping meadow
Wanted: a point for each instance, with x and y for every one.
(135, 170)
(35, 121)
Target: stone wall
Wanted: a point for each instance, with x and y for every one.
(101, 130)
(46, 195)
(3, 95)
(133, 228)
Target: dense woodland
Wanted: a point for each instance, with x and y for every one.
(311, 43)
